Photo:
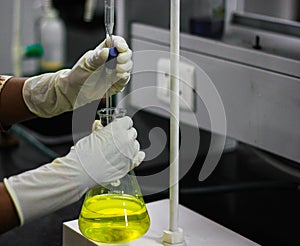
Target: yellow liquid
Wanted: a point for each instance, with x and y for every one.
(113, 218)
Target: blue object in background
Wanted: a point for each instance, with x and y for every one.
(207, 27)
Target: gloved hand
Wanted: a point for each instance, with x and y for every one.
(51, 94)
(107, 154)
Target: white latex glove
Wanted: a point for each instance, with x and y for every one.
(51, 94)
(107, 154)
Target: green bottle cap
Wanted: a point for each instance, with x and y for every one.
(34, 50)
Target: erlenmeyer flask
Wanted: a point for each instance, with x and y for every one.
(114, 212)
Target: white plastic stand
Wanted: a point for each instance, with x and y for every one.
(174, 235)
(198, 230)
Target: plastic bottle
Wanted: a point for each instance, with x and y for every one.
(52, 35)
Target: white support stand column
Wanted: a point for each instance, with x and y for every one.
(174, 235)
(16, 47)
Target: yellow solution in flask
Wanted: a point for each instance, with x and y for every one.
(114, 218)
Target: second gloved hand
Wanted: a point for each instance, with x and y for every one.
(107, 154)
(51, 94)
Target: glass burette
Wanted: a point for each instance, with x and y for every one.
(109, 16)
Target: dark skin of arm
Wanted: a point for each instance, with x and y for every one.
(12, 110)
(12, 106)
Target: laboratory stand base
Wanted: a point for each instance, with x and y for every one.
(197, 229)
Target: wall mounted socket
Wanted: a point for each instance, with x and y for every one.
(186, 84)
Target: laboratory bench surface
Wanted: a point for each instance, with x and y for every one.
(237, 195)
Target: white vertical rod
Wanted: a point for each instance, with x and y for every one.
(121, 18)
(16, 49)
(174, 117)
(89, 10)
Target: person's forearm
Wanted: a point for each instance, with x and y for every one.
(8, 214)
(12, 106)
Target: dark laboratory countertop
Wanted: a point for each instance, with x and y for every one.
(46, 230)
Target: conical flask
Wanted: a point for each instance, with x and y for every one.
(114, 212)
